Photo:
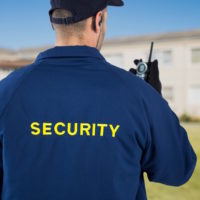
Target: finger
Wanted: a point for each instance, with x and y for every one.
(136, 62)
(153, 67)
(132, 70)
(155, 62)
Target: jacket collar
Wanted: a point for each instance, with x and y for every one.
(70, 51)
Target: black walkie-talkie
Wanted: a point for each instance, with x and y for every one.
(142, 67)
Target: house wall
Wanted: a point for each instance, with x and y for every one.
(179, 64)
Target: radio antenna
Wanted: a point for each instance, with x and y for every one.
(151, 51)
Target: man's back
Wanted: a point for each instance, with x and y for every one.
(75, 127)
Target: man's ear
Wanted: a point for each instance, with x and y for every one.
(99, 19)
(96, 21)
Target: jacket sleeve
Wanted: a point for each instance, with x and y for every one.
(1, 168)
(8, 86)
(5, 92)
(2, 107)
(168, 156)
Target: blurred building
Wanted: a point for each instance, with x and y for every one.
(178, 55)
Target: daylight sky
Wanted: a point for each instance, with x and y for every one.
(26, 23)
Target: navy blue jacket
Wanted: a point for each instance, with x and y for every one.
(73, 126)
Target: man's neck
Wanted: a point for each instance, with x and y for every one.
(74, 42)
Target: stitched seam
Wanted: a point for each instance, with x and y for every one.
(23, 78)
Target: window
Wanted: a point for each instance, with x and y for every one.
(194, 95)
(115, 59)
(196, 55)
(168, 93)
(167, 57)
(163, 57)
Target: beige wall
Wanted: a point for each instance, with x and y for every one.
(180, 74)
(4, 73)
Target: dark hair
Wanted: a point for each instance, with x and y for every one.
(79, 26)
(61, 13)
(94, 21)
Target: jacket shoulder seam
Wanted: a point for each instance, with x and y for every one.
(23, 78)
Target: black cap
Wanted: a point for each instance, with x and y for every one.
(81, 9)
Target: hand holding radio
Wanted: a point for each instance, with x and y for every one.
(149, 72)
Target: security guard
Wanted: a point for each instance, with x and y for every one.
(73, 126)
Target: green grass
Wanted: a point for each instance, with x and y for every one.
(188, 191)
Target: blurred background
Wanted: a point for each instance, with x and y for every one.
(173, 25)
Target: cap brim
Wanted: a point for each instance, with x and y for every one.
(115, 3)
